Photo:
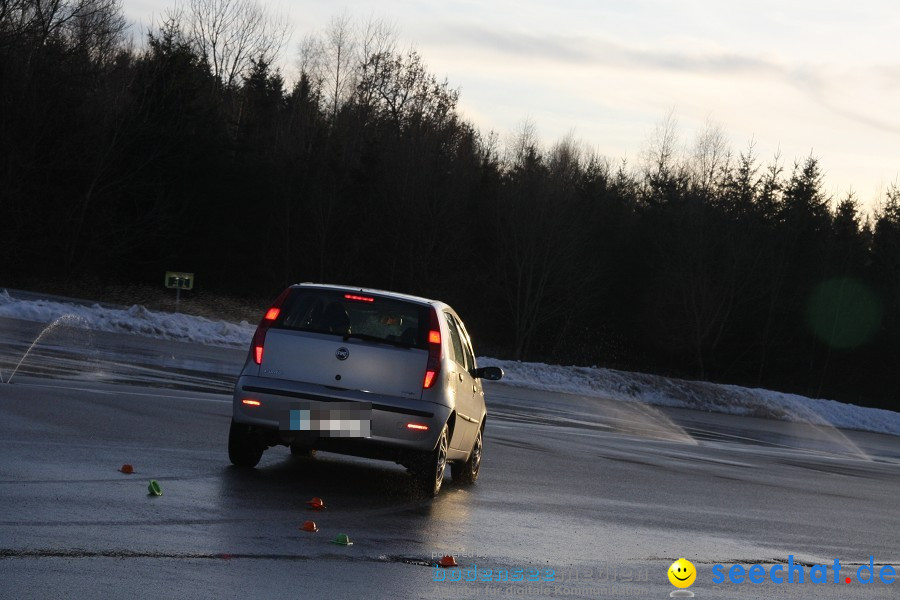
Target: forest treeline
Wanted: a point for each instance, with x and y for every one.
(190, 152)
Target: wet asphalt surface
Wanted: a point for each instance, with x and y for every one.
(599, 496)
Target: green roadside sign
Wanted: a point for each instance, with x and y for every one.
(179, 281)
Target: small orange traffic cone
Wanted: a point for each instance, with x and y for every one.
(316, 503)
(310, 526)
(448, 561)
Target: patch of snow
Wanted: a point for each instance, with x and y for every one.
(136, 320)
(698, 395)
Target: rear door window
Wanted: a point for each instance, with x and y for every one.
(455, 341)
(466, 344)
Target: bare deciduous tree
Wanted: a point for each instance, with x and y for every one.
(230, 34)
(402, 89)
(711, 157)
(334, 59)
(91, 26)
(339, 56)
(661, 152)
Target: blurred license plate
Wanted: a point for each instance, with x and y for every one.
(333, 419)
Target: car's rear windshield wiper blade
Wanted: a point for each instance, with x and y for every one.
(380, 340)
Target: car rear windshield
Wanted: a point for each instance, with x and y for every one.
(356, 315)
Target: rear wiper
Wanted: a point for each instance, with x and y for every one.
(374, 338)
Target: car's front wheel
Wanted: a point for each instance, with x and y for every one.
(244, 448)
(467, 472)
(429, 473)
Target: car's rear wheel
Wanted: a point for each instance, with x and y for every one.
(244, 448)
(467, 472)
(429, 474)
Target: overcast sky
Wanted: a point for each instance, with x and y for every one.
(799, 76)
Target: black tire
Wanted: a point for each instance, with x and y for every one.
(467, 472)
(244, 448)
(430, 472)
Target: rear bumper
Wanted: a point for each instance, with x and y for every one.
(389, 416)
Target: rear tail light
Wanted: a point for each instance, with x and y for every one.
(433, 368)
(429, 379)
(250, 402)
(259, 338)
(417, 426)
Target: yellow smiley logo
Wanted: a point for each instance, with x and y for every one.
(682, 573)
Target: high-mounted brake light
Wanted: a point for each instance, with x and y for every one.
(433, 368)
(259, 338)
(357, 298)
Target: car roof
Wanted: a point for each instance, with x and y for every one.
(346, 288)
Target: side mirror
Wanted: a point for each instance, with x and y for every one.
(488, 373)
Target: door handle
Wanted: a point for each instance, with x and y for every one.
(460, 376)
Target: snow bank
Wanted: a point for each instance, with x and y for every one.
(584, 381)
(699, 395)
(137, 320)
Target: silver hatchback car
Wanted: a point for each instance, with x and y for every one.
(363, 372)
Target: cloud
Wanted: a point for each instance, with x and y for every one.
(852, 96)
(585, 51)
(520, 45)
(822, 84)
